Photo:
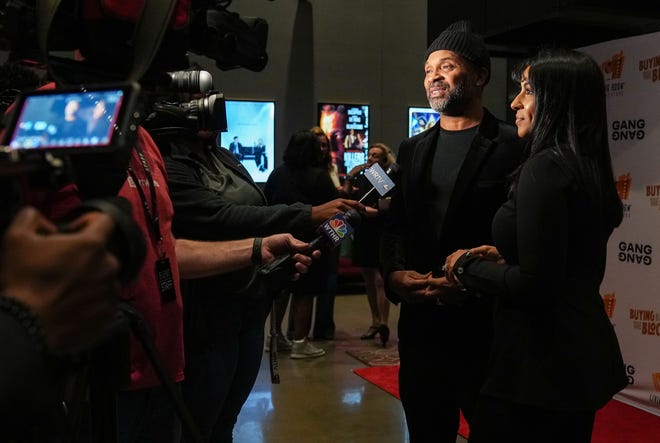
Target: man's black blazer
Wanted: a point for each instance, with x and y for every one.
(481, 188)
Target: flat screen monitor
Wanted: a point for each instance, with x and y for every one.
(250, 135)
(421, 119)
(347, 128)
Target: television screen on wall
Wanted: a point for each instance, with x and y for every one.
(347, 127)
(420, 119)
(250, 135)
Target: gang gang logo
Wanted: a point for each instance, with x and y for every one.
(637, 253)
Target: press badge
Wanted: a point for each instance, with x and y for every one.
(165, 280)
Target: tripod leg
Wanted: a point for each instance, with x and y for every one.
(273, 363)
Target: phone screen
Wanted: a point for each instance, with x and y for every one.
(67, 120)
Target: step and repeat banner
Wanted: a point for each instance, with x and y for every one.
(631, 288)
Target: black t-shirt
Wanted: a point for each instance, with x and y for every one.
(448, 158)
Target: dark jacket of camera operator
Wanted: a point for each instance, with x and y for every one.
(215, 198)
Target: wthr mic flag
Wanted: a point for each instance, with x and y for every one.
(336, 229)
(379, 179)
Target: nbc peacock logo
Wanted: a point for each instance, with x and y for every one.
(339, 226)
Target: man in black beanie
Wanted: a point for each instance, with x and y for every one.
(453, 179)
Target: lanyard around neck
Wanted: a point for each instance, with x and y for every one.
(151, 215)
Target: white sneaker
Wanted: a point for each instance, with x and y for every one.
(283, 344)
(304, 349)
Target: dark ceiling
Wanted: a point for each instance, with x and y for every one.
(517, 28)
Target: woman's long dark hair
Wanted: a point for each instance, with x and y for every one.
(571, 120)
(303, 151)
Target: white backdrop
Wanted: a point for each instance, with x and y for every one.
(631, 288)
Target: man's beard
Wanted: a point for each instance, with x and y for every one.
(455, 103)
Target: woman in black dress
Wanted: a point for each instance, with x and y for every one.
(366, 249)
(555, 358)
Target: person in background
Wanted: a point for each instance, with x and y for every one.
(324, 318)
(452, 180)
(303, 177)
(327, 159)
(555, 359)
(236, 148)
(366, 250)
(260, 157)
(324, 323)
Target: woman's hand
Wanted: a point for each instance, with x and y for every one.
(488, 252)
(450, 262)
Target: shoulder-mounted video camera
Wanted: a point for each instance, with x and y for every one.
(108, 35)
(205, 112)
(54, 137)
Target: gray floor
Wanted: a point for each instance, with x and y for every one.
(321, 399)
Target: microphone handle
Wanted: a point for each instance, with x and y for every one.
(367, 194)
(286, 260)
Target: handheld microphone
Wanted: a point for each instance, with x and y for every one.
(380, 180)
(333, 232)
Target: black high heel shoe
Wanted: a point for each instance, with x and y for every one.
(384, 333)
(371, 333)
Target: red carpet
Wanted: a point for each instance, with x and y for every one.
(616, 423)
(387, 378)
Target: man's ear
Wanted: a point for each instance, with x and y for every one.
(482, 77)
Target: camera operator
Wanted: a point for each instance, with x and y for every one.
(215, 199)
(59, 292)
(144, 411)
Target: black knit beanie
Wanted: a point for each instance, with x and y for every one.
(459, 38)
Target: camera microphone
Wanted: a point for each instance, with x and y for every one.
(333, 232)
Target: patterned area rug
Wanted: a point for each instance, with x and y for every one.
(369, 352)
(375, 355)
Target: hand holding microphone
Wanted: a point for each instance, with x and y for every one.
(333, 232)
